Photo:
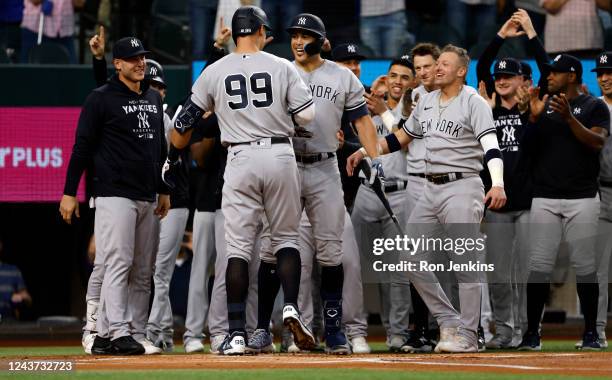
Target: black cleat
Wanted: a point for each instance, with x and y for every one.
(126, 345)
(101, 346)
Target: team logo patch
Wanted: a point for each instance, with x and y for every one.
(153, 70)
(351, 49)
(302, 21)
(502, 65)
(603, 59)
(577, 110)
(134, 42)
(143, 120)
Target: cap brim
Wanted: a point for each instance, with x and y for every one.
(506, 72)
(140, 52)
(601, 68)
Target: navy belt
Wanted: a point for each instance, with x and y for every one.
(389, 186)
(312, 158)
(441, 179)
(273, 140)
(422, 175)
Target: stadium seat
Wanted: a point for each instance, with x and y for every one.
(49, 53)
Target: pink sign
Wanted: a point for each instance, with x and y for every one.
(35, 148)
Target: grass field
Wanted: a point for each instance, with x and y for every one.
(243, 371)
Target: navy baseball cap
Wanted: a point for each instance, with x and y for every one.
(509, 66)
(527, 71)
(128, 47)
(565, 63)
(603, 61)
(345, 52)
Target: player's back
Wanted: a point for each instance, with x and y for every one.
(252, 94)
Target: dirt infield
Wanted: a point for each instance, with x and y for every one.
(583, 364)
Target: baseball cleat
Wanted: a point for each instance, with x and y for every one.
(101, 346)
(234, 344)
(459, 344)
(193, 346)
(87, 342)
(416, 343)
(395, 342)
(590, 342)
(302, 336)
(531, 342)
(336, 344)
(499, 342)
(126, 345)
(447, 335)
(359, 345)
(150, 348)
(481, 339)
(260, 342)
(215, 344)
(165, 346)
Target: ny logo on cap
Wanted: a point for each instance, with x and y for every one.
(351, 49)
(134, 42)
(577, 111)
(302, 21)
(557, 58)
(603, 59)
(502, 65)
(405, 58)
(153, 70)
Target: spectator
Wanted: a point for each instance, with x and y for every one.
(202, 20)
(58, 24)
(280, 13)
(14, 296)
(464, 15)
(383, 26)
(536, 13)
(11, 13)
(573, 27)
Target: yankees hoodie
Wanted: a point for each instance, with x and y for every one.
(121, 133)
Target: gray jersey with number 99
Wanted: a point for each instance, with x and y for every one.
(253, 95)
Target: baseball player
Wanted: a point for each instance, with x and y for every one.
(507, 229)
(457, 128)
(603, 69)
(125, 194)
(369, 212)
(255, 96)
(154, 79)
(569, 131)
(336, 91)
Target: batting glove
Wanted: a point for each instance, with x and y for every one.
(169, 172)
(377, 171)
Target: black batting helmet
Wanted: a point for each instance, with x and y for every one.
(309, 23)
(247, 20)
(155, 72)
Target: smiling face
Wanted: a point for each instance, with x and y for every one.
(604, 79)
(298, 41)
(132, 68)
(449, 69)
(425, 68)
(506, 84)
(399, 79)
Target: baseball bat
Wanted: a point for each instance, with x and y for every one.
(176, 113)
(380, 192)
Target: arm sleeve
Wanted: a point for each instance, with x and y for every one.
(298, 94)
(495, 165)
(483, 68)
(215, 55)
(481, 116)
(86, 141)
(99, 69)
(355, 105)
(537, 49)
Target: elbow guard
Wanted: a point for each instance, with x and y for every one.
(189, 115)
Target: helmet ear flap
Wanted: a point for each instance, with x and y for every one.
(314, 47)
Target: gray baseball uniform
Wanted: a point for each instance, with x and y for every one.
(604, 240)
(454, 209)
(253, 96)
(336, 90)
(371, 221)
